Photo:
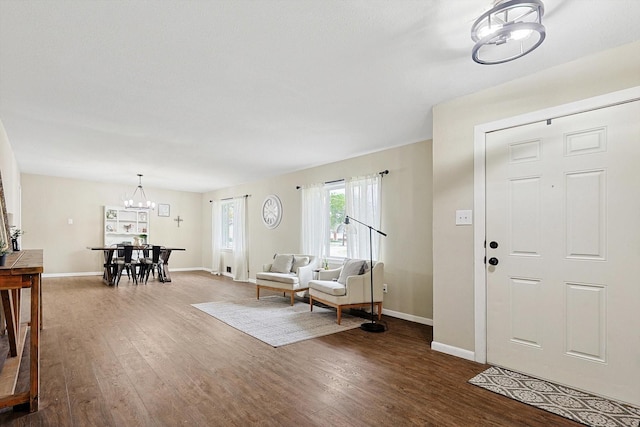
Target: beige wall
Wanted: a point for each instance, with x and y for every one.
(48, 202)
(453, 152)
(406, 218)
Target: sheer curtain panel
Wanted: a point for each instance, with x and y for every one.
(362, 199)
(315, 221)
(240, 250)
(216, 239)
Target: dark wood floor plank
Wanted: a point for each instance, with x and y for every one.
(141, 355)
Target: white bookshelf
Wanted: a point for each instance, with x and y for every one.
(125, 225)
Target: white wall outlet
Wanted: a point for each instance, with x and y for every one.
(384, 288)
(464, 217)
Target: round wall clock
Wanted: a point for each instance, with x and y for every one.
(271, 211)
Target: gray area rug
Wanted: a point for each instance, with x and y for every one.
(564, 401)
(274, 321)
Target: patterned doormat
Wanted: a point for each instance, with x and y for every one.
(564, 401)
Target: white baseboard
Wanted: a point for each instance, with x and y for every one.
(225, 274)
(99, 273)
(409, 317)
(454, 351)
(84, 273)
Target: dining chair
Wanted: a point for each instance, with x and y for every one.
(154, 263)
(127, 262)
(143, 255)
(119, 256)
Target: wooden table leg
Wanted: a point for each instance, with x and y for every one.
(40, 299)
(165, 266)
(107, 275)
(34, 368)
(9, 314)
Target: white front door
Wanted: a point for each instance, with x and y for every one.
(563, 230)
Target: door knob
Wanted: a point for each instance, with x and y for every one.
(493, 245)
(493, 261)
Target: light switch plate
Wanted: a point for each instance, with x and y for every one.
(464, 217)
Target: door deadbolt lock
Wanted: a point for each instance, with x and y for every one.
(493, 261)
(493, 245)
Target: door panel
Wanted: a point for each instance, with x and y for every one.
(525, 315)
(564, 206)
(586, 215)
(586, 321)
(525, 208)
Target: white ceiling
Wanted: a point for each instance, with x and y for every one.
(201, 95)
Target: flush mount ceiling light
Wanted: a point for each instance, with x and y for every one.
(141, 202)
(511, 29)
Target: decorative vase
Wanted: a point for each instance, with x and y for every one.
(3, 259)
(14, 244)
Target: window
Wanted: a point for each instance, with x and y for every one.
(227, 224)
(336, 244)
(324, 209)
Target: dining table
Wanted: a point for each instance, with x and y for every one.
(109, 275)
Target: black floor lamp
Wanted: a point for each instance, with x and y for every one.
(370, 326)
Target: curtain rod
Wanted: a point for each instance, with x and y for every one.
(230, 198)
(382, 174)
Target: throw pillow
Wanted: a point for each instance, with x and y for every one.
(282, 263)
(299, 261)
(351, 267)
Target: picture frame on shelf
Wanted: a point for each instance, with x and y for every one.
(163, 209)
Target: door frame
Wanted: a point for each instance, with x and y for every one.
(479, 191)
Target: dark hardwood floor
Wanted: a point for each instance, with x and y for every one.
(142, 356)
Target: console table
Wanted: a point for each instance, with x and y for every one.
(22, 270)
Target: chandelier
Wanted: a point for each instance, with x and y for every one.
(510, 30)
(142, 202)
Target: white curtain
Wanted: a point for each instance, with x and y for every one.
(315, 221)
(240, 250)
(216, 238)
(362, 199)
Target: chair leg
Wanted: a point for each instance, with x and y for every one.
(143, 272)
(257, 292)
(379, 304)
(292, 295)
(339, 310)
(118, 274)
(132, 268)
(310, 303)
(149, 269)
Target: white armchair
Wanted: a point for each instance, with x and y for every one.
(348, 287)
(288, 273)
